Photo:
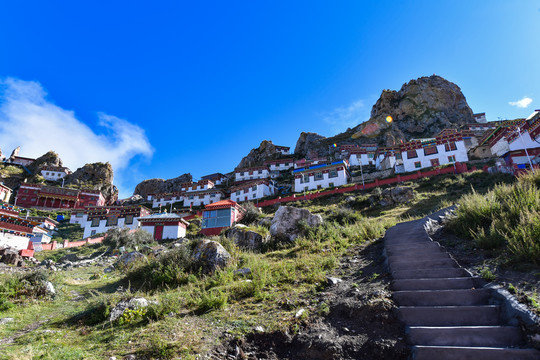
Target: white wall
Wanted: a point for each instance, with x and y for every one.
(425, 161)
(261, 191)
(169, 232)
(53, 175)
(244, 175)
(162, 202)
(196, 201)
(312, 184)
(13, 241)
(78, 220)
(525, 142)
(357, 159)
(102, 228)
(281, 167)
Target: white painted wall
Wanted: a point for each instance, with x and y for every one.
(169, 232)
(162, 202)
(53, 175)
(102, 228)
(281, 167)
(425, 161)
(13, 241)
(525, 142)
(244, 175)
(341, 179)
(500, 148)
(78, 220)
(261, 190)
(205, 200)
(357, 159)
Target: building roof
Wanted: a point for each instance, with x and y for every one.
(163, 217)
(320, 166)
(222, 204)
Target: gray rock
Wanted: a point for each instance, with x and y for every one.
(247, 239)
(130, 257)
(6, 320)
(211, 255)
(333, 280)
(397, 195)
(49, 288)
(286, 223)
(69, 258)
(108, 269)
(122, 306)
(243, 271)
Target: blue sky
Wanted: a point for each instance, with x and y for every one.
(167, 87)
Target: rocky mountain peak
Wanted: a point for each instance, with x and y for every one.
(257, 156)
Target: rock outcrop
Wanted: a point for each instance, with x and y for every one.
(420, 109)
(245, 238)
(257, 156)
(307, 145)
(289, 222)
(210, 255)
(157, 186)
(393, 196)
(49, 159)
(97, 176)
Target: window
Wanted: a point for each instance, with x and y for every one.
(398, 156)
(306, 188)
(451, 146)
(78, 215)
(306, 178)
(128, 220)
(318, 176)
(434, 162)
(259, 172)
(411, 154)
(93, 232)
(216, 218)
(112, 221)
(190, 197)
(430, 150)
(452, 158)
(371, 156)
(331, 185)
(238, 192)
(332, 173)
(212, 195)
(95, 222)
(254, 195)
(418, 164)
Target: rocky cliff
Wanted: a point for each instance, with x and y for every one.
(49, 159)
(257, 156)
(97, 176)
(420, 109)
(155, 186)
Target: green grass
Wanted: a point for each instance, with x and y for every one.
(507, 218)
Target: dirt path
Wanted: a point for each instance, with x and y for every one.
(18, 334)
(360, 321)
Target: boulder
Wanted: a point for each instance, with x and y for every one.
(210, 255)
(69, 258)
(122, 306)
(288, 222)
(11, 257)
(245, 238)
(393, 196)
(130, 257)
(6, 320)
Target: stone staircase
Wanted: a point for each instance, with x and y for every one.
(448, 313)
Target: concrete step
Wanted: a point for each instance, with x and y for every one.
(404, 240)
(472, 353)
(449, 315)
(422, 250)
(419, 246)
(446, 272)
(434, 284)
(419, 256)
(492, 336)
(435, 263)
(458, 297)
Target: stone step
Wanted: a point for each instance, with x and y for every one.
(430, 273)
(449, 315)
(406, 241)
(417, 256)
(472, 353)
(435, 284)
(458, 297)
(418, 246)
(411, 263)
(415, 251)
(491, 336)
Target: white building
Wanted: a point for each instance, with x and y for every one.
(78, 217)
(202, 197)
(284, 150)
(217, 178)
(253, 190)
(480, 118)
(302, 163)
(362, 157)
(167, 199)
(258, 172)
(55, 173)
(164, 226)
(102, 218)
(446, 148)
(5, 193)
(280, 164)
(321, 176)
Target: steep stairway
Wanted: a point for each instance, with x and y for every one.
(447, 312)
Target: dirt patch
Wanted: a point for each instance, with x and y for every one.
(357, 319)
(18, 334)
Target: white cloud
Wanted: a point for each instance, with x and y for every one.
(28, 119)
(342, 118)
(523, 103)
